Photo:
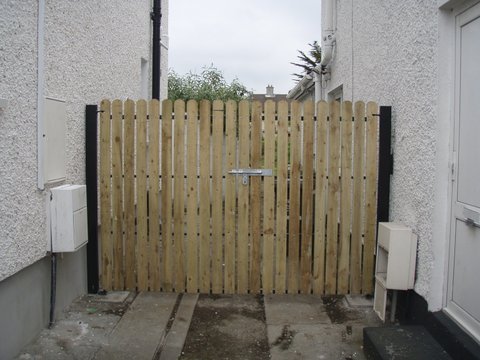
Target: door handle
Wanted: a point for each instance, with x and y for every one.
(472, 217)
(471, 222)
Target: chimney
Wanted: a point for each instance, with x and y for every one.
(269, 93)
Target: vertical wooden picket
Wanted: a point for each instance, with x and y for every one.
(370, 197)
(320, 198)
(204, 188)
(282, 208)
(243, 200)
(141, 172)
(333, 199)
(178, 195)
(294, 199)
(167, 252)
(345, 199)
(117, 194)
(217, 199)
(153, 195)
(230, 196)
(307, 197)
(358, 198)
(129, 194)
(255, 197)
(268, 200)
(192, 199)
(105, 196)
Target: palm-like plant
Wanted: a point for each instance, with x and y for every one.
(308, 62)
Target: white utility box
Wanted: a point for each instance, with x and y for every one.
(395, 267)
(68, 218)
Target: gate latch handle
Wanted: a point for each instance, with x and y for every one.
(250, 172)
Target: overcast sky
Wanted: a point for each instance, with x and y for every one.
(253, 40)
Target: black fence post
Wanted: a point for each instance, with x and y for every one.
(91, 112)
(385, 164)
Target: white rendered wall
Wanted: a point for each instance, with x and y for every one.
(93, 50)
(22, 207)
(164, 52)
(388, 52)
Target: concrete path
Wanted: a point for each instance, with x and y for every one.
(139, 332)
(172, 347)
(315, 327)
(163, 326)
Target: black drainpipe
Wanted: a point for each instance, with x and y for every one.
(156, 16)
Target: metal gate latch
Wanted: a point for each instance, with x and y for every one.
(250, 172)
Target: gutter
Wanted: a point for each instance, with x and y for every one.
(300, 88)
(156, 17)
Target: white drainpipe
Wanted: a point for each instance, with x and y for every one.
(40, 95)
(318, 87)
(328, 33)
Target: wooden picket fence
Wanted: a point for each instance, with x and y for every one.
(173, 217)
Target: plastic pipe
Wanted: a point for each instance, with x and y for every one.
(40, 95)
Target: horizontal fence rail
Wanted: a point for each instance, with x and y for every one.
(244, 197)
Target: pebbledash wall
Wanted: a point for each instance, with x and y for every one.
(91, 50)
(400, 53)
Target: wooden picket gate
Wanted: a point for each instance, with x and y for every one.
(173, 217)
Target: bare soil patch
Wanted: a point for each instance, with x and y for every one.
(227, 327)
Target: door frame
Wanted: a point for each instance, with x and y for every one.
(470, 325)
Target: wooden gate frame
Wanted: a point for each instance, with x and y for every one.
(385, 169)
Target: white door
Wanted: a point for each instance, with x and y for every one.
(464, 261)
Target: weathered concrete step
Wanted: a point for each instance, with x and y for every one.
(401, 343)
(140, 331)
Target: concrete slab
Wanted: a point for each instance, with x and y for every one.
(359, 301)
(112, 296)
(82, 332)
(328, 341)
(282, 309)
(175, 339)
(141, 329)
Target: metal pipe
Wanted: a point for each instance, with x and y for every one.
(157, 19)
(53, 288)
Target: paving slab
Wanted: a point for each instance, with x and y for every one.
(327, 341)
(175, 339)
(112, 296)
(282, 309)
(315, 327)
(81, 333)
(359, 301)
(140, 331)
